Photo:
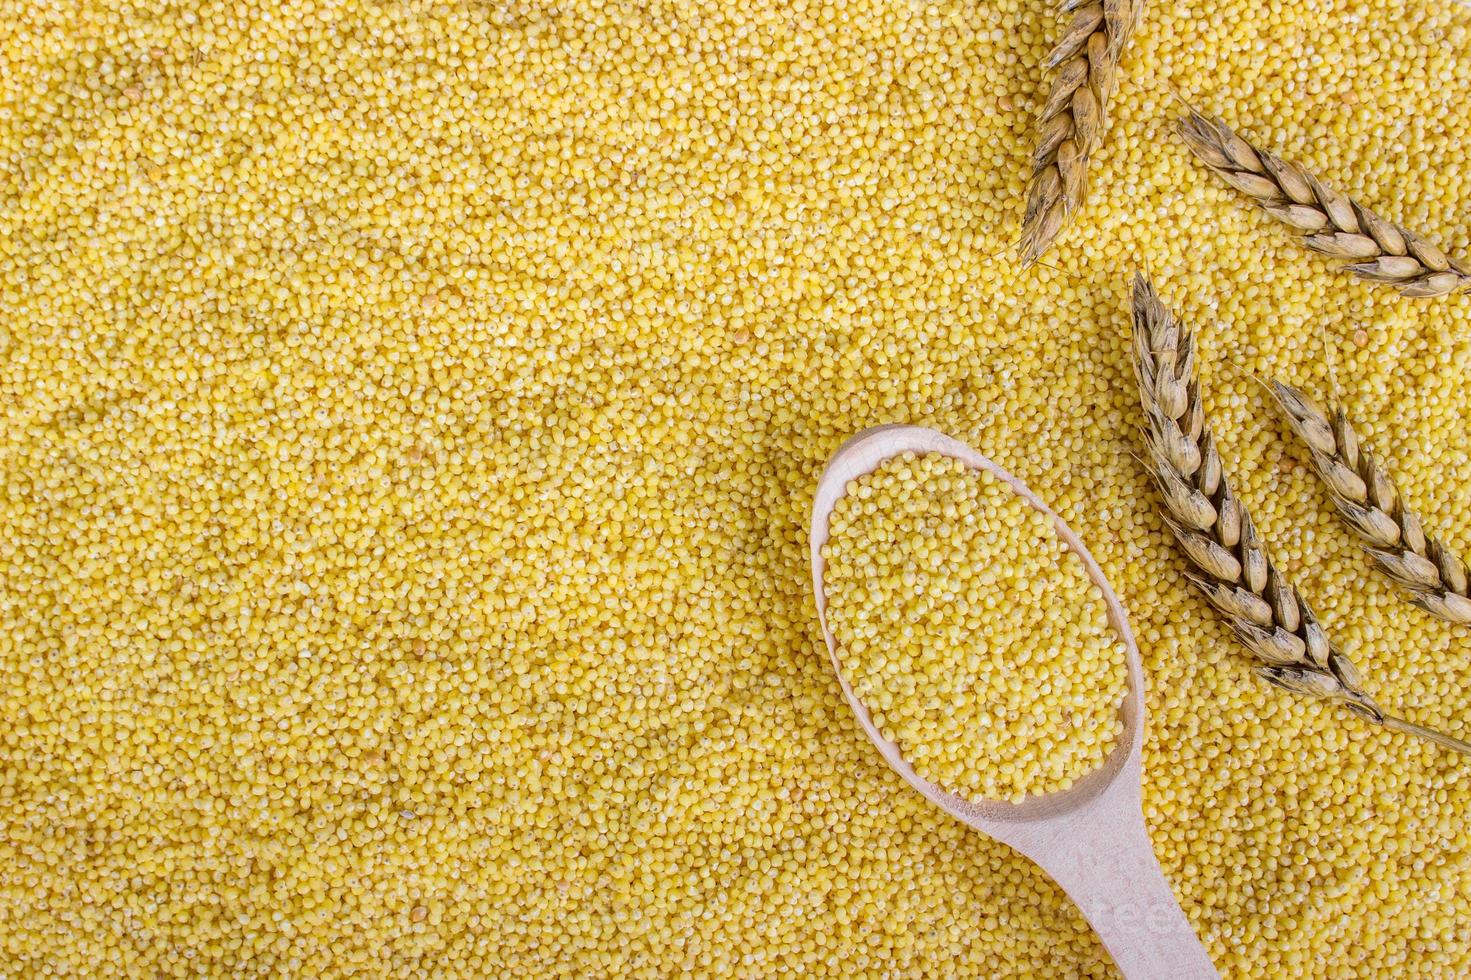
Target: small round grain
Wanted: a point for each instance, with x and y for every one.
(970, 631)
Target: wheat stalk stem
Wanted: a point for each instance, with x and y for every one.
(1429, 734)
(1085, 63)
(1370, 504)
(1231, 566)
(1331, 223)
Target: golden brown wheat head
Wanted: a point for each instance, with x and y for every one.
(1074, 116)
(1330, 223)
(1215, 531)
(1435, 577)
(1231, 567)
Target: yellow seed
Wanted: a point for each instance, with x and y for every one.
(957, 608)
(676, 254)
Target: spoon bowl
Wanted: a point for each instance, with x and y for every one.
(1089, 838)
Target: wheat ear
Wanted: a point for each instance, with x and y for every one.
(1073, 119)
(1435, 577)
(1231, 567)
(1330, 223)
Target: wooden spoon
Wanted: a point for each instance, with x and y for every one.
(1090, 838)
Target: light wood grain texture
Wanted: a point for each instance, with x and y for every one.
(1090, 838)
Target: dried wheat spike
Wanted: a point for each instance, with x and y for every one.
(1435, 577)
(1086, 62)
(1231, 566)
(1330, 223)
(1233, 571)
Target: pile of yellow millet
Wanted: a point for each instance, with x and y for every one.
(970, 630)
(409, 418)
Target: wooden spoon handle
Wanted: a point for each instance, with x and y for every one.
(1125, 897)
(1104, 860)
